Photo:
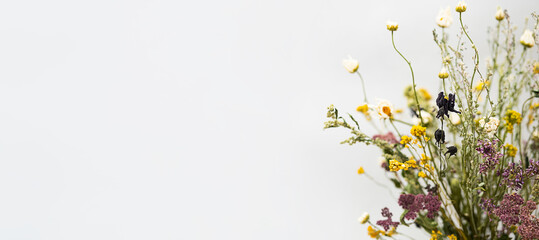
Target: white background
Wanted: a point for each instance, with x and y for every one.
(201, 119)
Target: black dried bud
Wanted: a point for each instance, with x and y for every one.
(452, 150)
(439, 135)
(445, 105)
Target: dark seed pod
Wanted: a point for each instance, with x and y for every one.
(439, 135)
(452, 150)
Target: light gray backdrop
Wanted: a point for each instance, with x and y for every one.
(201, 119)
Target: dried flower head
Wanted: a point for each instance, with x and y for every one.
(491, 126)
(444, 18)
(387, 223)
(418, 131)
(500, 14)
(443, 74)
(384, 109)
(392, 26)
(351, 65)
(364, 218)
(461, 7)
(527, 39)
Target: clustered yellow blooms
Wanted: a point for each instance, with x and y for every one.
(395, 165)
(373, 233)
(435, 235)
(360, 170)
(424, 94)
(422, 174)
(418, 131)
(510, 150)
(512, 117)
(452, 237)
(536, 68)
(365, 110)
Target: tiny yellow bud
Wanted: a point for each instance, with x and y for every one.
(536, 68)
(500, 15)
(351, 65)
(360, 170)
(443, 74)
(392, 26)
(527, 39)
(422, 174)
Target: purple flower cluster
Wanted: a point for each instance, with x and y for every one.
(416, 203)
(509, 209)
(529, 225)
(388, 137)
(490, 154)
(533, 169)
(386, 224)
(513, 176)
(487, 205)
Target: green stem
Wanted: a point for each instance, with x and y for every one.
(363, 87)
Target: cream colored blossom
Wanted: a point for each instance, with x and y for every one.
(500, 14)
(443, 73)
(384, 109)
(527, 39)
(454, 118)
(461, 7)
(364, 218)
(444, 18)
(392, 26)
(426, 116)
(350, 64)
(491, 126)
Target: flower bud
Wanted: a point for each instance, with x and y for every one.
(443, 74)
(536, 68)
(364, 218)
(500, 15)
(350, 64)
(527, 39)
(444, 18)
(461, 7)
(392, 26)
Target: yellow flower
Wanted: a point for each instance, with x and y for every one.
(418, 131)
(452, 237)
(435, 235)
(395, 165)
(351, 65)
(536, 68)
(391, 232)
(461, 7)
(360, 170)
(364, 218)
(363, 108)
(425, 94)
(512, 117)
(444, 18)
(443, 74)
(410, 163)
(392, 26)
(422, 174)
(500, 15)
(405, 139)
(480, 85)
(527, 39)
(373, 232)
(424, 159)
(511, 150)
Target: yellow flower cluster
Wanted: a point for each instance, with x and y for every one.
(512, 117)
(536, 68)
(510, 150)
(436, 235)
(365, 110)
(422, 174)
(373, 233)
(395, 165)
(418, 131)
(360, 170)
(452, 237)
(406, 139)
(424, 94)
(481, 85)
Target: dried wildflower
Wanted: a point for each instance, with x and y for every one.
(439, 135)
(509, 209)
(511, 118)
(461, 7)
(490, 153)
(395, 165)
(510, 150)
(452, 150)
(418, 131)
(527, 39)
(384, 109)
(529, 225)
(388, 137)
(373, 233)
(444, 18)
(487, 205)
(513, 176)
(405, 140)
(424, 93)
(536, 68)
(533, 169)
(500, 14)
(364, 218)
(416, 203)
(387, 223)
(436, 235)
(424, 159)
(481, 85)
(445, 105)
(452, 237)
(422, 174)
(351, 65)
(360, 170)
(443, 74)
(491, 126)
(454, 118)
(392, 26)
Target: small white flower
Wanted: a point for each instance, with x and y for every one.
(454, 118)
(426, 116)
(527, 39)
(461, 7)
(491, 126)
(500, 14)
(443, 73)
(392, 26)
(384, 109)
(350, 64)
(364, 218)
(444, 18)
